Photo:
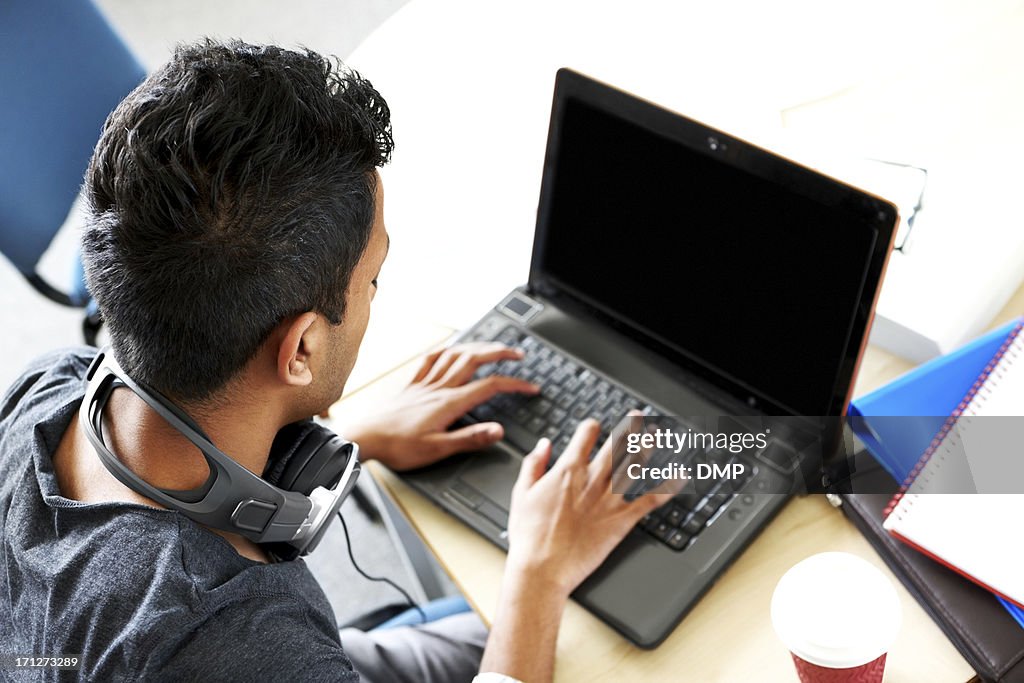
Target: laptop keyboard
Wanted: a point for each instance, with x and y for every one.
(571, 392)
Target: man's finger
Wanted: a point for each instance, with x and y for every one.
(599, 471)
(470, 438)
(469, 396)
(534, 465)
(461, 371)
(580, 445)
(452, 355)
(425, 364)
(646, 503)
(441, 364)
(649, 502)
(600, 468)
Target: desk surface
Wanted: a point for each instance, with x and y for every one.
(732, 618)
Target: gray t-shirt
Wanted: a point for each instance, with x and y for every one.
(139, 593)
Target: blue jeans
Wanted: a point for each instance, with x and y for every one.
(402, 650)
(434, 610)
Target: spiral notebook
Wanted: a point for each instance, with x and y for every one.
(977, 535)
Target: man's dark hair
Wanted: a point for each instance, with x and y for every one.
(231, 190)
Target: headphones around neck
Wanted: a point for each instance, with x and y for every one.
(310, 471)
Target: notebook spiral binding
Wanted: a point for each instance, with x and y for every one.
(979, 384)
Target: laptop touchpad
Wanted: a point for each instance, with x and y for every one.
(492, 473)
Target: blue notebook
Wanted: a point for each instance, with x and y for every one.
(1015, 611)
(932, 391)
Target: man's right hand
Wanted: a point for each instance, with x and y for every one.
(563, 523)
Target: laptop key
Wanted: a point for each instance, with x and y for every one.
(717, 500)
(504, 403)
(541, 407)
(780, 456)
(662, 530)
(506, 367)
(702, 515)
(678, 540)
(520, 437)
(510, 336)
(733, 485)
(675, 515)
(688, 499)
(649, 521)
(693, 525)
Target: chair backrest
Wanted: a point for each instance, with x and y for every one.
(62, 71)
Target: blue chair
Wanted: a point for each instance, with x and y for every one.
(63, 69)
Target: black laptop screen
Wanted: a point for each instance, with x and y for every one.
(750, 280)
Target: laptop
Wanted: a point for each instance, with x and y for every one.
(686, 274)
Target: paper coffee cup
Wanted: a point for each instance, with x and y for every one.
(838, 615)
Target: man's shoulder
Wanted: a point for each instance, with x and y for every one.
(243, 621)
(262, 635)
(49, 379)
(144, 593)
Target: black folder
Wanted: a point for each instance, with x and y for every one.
(981, 629)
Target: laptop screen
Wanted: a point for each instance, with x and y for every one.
(751, 270)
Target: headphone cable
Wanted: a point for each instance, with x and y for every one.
(408, 598)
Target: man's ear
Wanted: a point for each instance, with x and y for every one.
(294, 352)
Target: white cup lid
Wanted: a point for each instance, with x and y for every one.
(836, 610)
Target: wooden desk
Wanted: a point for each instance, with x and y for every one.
(728, 636)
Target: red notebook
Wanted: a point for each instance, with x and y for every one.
(978, 535)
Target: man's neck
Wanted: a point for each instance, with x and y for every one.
(162, 456)
(166, 459)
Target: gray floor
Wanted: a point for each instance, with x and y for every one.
(30, 324)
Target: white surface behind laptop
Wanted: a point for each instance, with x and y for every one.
(470, 88)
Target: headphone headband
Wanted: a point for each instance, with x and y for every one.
(233, 498)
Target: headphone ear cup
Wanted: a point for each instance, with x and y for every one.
(286, 443)
(306, 455)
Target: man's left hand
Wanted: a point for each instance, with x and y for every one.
(413, 430)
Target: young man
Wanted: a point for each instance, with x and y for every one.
(235, 236)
